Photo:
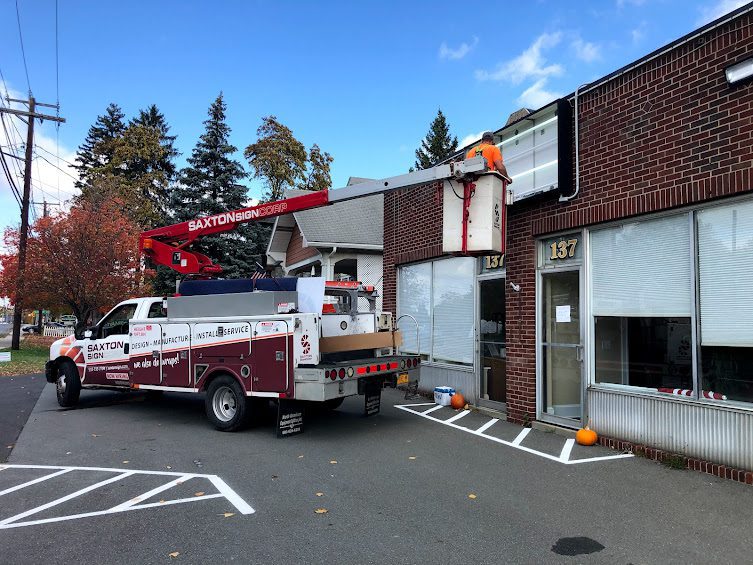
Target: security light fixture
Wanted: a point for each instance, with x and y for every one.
(739, 71)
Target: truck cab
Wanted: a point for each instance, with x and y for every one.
(98, 356)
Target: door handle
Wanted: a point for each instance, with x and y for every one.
(579, 353)
(126, 348)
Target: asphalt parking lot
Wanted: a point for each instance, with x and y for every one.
(127, 479)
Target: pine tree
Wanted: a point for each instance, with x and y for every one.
(98, 147)
(210, 184)
(153, 118)
(437, 145)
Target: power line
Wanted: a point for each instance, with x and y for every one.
(54, 165)
(67, 162)
(57, 63)
(23, 51)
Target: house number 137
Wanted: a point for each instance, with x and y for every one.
(563, 249)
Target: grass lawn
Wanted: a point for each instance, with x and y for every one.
(34, 353)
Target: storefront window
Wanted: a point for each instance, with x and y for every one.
(641, 304)
(725, 272)
(439, 295)
(647, 352)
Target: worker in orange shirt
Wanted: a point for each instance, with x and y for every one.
(490, 152)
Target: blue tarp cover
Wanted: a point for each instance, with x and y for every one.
(228, 286)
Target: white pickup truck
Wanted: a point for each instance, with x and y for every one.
(238, 347)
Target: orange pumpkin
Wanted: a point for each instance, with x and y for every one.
(586, 436)
(457, 401)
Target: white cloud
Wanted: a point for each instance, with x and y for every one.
(529, 64)
(446, 52)
(586, 51)
(48, 182)
(536, 96)
(470, 138)
(718, 9)
(638, 33)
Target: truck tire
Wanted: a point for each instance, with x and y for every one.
(226, 404)
(333, 403)
(67, 385)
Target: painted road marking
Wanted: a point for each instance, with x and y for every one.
(35, 481)
(486, 426)
(458, 416)
(563, 458)
(521, 436)
(66, 498)
(135, 503)
(566, 449)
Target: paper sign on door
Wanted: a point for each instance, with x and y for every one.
(563, 313)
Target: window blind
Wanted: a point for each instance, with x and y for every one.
(414, 298)
(642, 269)
(454, 318)
(725, 273)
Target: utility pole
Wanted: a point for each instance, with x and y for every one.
(31, 115)
(44, 203)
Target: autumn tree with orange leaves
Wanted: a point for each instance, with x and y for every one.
(87, 259)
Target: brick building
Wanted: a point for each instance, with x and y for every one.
(624, 295)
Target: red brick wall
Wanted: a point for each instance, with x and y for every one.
(669, 133)
(666, 134)
(296, 251)
(412, 232)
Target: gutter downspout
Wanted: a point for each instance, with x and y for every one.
(577, 151)
(329, 264)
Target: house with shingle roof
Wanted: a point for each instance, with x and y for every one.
(343, 241)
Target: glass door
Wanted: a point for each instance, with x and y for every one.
(493, 359)
(561, 347)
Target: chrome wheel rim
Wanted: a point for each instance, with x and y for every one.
(61, 384)
(225, 404)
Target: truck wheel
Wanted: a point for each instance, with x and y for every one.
(226, 404)
(67, 385)
(333, 403)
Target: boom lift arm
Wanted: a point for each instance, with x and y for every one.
(169, 245)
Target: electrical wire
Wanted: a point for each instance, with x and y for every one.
(57, 96)
(54, 165)
(51, 154)
(23, 51)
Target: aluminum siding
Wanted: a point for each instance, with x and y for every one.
(695, 429)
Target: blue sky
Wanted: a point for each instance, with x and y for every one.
(363, 80)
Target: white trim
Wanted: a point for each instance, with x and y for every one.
(166, 388)
(264, 394)
(346, 245)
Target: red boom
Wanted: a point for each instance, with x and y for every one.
(169, 245)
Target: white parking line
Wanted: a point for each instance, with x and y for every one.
(458, 416)
(66, 498)
(563, 458)
(135, 503)
(521, 436)
(486, 426)
(35, 481)
(567, 449)
(147, 495)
